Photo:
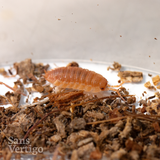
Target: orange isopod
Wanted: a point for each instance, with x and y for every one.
(79, 78)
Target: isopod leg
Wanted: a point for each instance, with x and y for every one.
(12, 88)
(116, 90)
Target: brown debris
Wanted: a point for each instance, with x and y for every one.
(85, 141)
(112, 132)
(24, 68)
(39, 69)
(158, 87)
(118, 154)
(27, 70)
(73, 125)
(6, 154)
(154, 107)
(14, 97)
(96, 154)
(157, 94)
(27, 122)
(149, 86)
(156, 80)
(3, 72)
(116, 67)
(153, 152)
(150, 75)
(130, 76)
(134, 146)
(56, 138)
(86, 150)
(77, 124)
(60, 126)
(72, 64)
(156, 126)
(4, 100)
(95, 115)
(74, 155)
(134, 155)
(128, 127)
(38, 88)
(14, 130)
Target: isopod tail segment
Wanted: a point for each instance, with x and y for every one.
(12, 88)
(116, 90)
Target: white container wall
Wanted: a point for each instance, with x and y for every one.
(103, 30)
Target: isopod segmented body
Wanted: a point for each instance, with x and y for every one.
(77, 78)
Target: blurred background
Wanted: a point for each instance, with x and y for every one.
(102, 30)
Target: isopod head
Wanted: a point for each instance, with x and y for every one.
(103, 84)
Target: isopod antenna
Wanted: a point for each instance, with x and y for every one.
(112, 88)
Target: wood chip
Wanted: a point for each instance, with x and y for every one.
(130, 76)
(156, 80)
(149, 86)
(116, 67)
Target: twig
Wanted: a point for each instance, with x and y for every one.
(37, 103)
(108, 120)
(12, 89)
(144, 117)
(94, 100)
